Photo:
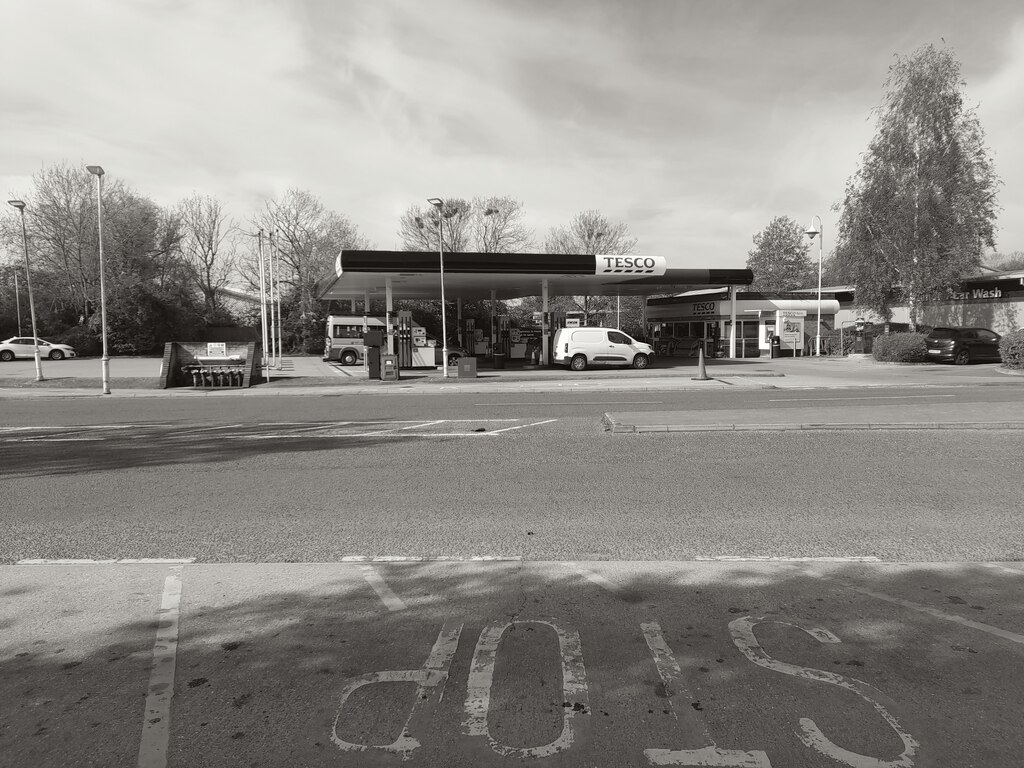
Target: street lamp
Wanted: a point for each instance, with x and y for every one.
(28, 280)
(813, 232)
(439, 204)
(97, 171)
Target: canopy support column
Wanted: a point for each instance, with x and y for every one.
(389, 309)
(732, 321)
(544, 341)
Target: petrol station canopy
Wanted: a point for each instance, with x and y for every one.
(477, 276)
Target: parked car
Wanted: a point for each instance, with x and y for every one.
(22, 346)
(576, 348)
(963, 345)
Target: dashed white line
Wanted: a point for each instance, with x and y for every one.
(389, 598)
(596, 578)
(934, 612)
(119, 561)
(156, 724)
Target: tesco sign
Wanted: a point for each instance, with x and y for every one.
(629, 265)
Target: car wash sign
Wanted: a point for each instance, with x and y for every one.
(629, 265)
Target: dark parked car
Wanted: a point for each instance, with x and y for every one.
(962, 345)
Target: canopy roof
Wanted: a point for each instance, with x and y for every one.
(473, 276)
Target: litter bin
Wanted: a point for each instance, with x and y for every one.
(776, 346)
(467, 368)
(389, 368)
(499, 360)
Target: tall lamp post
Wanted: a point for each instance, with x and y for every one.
(97, 171)
(813, 232)
(439, 204)
(20, 205)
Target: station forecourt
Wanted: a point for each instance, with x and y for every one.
(362, 276)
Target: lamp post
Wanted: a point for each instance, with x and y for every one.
(17, 299)
(20, 205)
(813, 232)
(97, 171)
(439, 204)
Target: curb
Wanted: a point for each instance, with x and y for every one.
(611, 425)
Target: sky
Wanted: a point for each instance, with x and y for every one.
(694, 122)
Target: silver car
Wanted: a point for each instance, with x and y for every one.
(22, 346)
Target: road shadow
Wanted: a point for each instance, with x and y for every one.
(303, 664)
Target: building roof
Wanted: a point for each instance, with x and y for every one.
(473, 276)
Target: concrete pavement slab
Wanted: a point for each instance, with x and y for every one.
(433, 663)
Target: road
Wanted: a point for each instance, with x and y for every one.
(608, 628)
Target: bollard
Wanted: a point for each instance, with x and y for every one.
(702, 374)
(197, 378)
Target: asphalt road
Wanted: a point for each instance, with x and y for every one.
(534, 476)
(605, 624)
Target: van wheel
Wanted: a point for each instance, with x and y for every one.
(963, 357)
(640, 361)
(579, 363)
(453, 360)
(348, 357)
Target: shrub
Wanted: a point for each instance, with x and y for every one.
(1011, 347)
(85, 342)
(900, 348)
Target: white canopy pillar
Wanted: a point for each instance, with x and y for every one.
(494, 331)
(544, 341)
(732, 321)
(389, 307)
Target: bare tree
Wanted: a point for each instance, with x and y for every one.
(309, 238)
(483, 224)
(207, 247)
(590, 232)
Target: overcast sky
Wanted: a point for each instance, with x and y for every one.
(695, 123)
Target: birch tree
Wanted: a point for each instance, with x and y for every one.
(919, 212)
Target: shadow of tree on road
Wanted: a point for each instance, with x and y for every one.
(265, 653)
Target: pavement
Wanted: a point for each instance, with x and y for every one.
(312, 377)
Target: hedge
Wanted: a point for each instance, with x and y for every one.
(1011, 347)
(900, 348)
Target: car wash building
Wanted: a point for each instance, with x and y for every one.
(362, 276)
(721, 320)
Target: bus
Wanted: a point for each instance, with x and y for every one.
(344, 342)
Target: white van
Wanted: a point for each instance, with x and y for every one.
(576, 348)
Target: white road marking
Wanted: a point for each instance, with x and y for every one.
(862, 397)
(522, 426)
(121, 561)
(156, 725)
(742, 631)
(481, 673)
(596, 578)
(423, 559)
(672, 679)
(389, 598)
(1005, 568)
(934, 612)
(757, 559)
(573, 402)
(430, 680)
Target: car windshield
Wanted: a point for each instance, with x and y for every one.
(942, 333)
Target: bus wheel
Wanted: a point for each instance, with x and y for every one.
(348, 357)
